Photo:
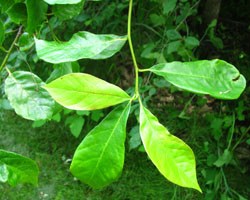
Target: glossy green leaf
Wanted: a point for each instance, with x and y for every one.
(27, 97)
(172, 157)
(67, 11)
(52, 2)
(37, 10)
(214, 77)
(79, 91)
(81, 45)
(99, 158)
(16, 169)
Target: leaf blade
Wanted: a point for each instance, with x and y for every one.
(171, 156)
(27, 97)
(80, 91)
(99, 158)
(82, 45)
(216, 77)
(16, 169)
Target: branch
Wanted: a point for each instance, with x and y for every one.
(11, 48)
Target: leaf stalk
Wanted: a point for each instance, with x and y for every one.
(132, 49)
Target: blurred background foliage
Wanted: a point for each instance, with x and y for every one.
(162, 31)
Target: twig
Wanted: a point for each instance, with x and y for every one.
(11, 48)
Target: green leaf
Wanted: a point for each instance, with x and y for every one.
(173, 46)
(61, 69)
(36, 13)
(76, 125)
(214, 77)
(52, 2)
(172, 157)
(191, 42)
(79, 91)
(25, 42)
(7, 4)
(27, 97)
(135, 139)
(16, 169)
(67, 11)
(99, 158)
(18, 13)
(2, 31)
(168, 6)
(173, 34)
(81, 45)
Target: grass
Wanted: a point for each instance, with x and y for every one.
(51, 145)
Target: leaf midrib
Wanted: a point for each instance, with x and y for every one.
(188, 75)
(106, 144)
(94, 93)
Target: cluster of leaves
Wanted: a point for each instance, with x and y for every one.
(99, 158)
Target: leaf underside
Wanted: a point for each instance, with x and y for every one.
(215, 77)
(82, 45)
(27, 97)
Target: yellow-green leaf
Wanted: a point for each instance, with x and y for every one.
(79, 91)
(172, 157)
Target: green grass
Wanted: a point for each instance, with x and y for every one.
(51, 145)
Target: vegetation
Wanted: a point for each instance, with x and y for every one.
(162, 32)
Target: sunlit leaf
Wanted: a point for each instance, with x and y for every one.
(67, 11)
(16, 169)
(81, 45)
(51, 2)
(79, 91)
(27, 97)
(215, 77)
(172, 157)
(99, 158)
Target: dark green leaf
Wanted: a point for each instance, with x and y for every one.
(2, 30)
(99, 158)
(173, 34)
(18, 13)
(16, 169)
(27, 97)
(60, 70)
(82, 45)
(214, 77)
(36, 14)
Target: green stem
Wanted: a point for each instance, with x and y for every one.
(132, 49)
(11, 48)
(231, 133)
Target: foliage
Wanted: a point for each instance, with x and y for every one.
(99, 158)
